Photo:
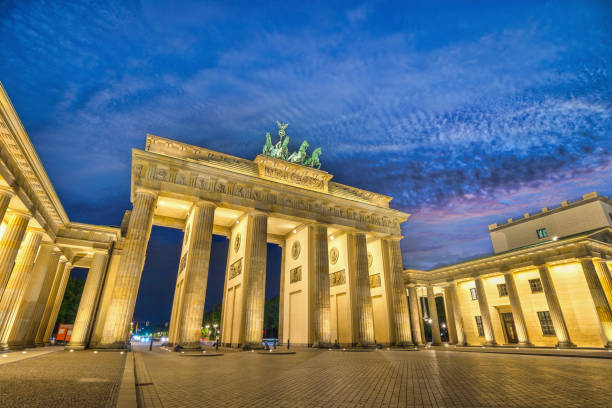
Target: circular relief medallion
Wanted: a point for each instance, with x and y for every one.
(237, 242)
(296, 248)
(333, 255)
(370, 259)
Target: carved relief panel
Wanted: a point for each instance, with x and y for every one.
(375, 280)
(295, 274)
(337, 278)
(235, 269)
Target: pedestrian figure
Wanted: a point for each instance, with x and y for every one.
(151, 344)
(288, 344)
(336, 344)
(217, 344)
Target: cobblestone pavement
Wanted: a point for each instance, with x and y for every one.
(378, 379)
(62, 379)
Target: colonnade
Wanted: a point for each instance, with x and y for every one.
(244, 289)
(594, 271)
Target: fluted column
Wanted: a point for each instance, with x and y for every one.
(319, 262)
(401, 317)
(556, 315)
(17, 284)
(57, 303)
(436, 340)
(43, 296)
(484, 313)
(255, 275)
(450, 316)
(604, 313)
(281, 300)
(604, 277)
(89, 300)
(121, 309)
(41, 330)
(5, 198)
(363, 300)
(517, 310)
(10, 242)
(25, 315)
(457, 316)
(196, 274)
(414, 315)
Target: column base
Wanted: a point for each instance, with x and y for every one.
(113, 346)
(189, 346)
(248, 347)
(524, 344)
(4, 347)
(608, 345)
(71, 346)
(320, 344)
(491, 344)
(404, 344)
(565, 344)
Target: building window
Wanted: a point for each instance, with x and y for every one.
(542, 233)
(473, 293)
(535, 285)
(546, 323)
(502, 289)
(479, 325)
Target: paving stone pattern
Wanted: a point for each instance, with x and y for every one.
(62, 379)
(379, 379)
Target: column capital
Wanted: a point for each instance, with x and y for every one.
(19, 213)
(203, 203)
(5, 190)
(394, 237)
(257, 213)
(146, 191)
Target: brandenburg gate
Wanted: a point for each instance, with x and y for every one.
(341, 276)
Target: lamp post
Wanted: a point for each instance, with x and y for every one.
(215, 325)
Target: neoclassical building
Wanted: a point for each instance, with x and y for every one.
(547, 284)
(342, 277)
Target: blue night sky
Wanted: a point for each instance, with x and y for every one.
(466, 114)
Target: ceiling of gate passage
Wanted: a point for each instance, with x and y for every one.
(466, 113)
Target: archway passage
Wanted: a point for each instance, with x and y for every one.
(253, 204)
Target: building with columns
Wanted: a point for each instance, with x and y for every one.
(547, 284)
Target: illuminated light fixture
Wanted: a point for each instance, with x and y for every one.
(121, 352)
(555, 238)
(332, 237)
(295, 231)
(237, 221)
(24, 352)
(443, 325)
(203, 351)
(329, 349)
(96, 352)
(429, 320)
(71, 351)
(4, 355)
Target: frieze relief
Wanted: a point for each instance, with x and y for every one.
(295, 274)
(235, 269)
(249, 192)
(375, 280)
(337, 278)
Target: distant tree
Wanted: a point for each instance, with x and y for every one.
(271, 316)
(211, 317)
(70, 303)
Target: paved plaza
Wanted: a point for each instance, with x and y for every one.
(310, 378)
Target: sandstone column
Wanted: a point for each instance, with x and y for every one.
(450, 315)
(196, 274)
(363, 301)
(401, 317)
(599, 300)
(517, 310)
(436, 340)
(57, 303)
(457, 316)
(281, 300)
(27, 307)
(5, 198)
(319, 262)
(121, 309)
(604, 277)
(556, 315)
(255, 276)
(39, 339)
(43, 296)
(89, 301)
(17, 284)
(414, 315)
(484, 313)
(9, 245)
